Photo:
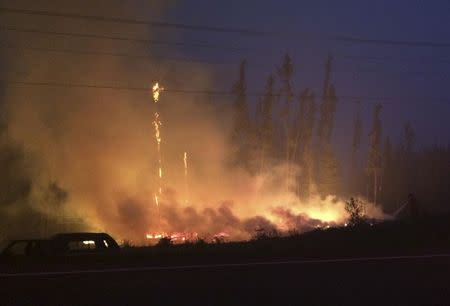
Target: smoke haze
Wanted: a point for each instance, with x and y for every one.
(86, 159)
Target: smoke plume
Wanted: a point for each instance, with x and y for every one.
(80, 158)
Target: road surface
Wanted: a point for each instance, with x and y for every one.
(403, 280)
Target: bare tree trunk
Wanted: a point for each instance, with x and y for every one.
(375, 186)
(367, 188)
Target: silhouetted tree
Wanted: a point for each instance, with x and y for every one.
(305, 126)
(327, 165)
(266, 130)
(241, 133)
(330, 172)
(330, 111)
(356, 144)
(374, 161)
(308, 141)
(388, 175)
(285, 73)
(409, 137)
(407, 157)
(325, 107)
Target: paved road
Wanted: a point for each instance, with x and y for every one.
(417, 280)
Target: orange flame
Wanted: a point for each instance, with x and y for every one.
(156, 90)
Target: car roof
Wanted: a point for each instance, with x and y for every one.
(27, 240)
(80, 235)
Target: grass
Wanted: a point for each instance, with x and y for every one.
(429, 235)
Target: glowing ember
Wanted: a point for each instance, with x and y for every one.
(221, 235)
(156, 91)
(177, 237)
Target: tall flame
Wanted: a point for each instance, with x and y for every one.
(186, 186)
(156, 90)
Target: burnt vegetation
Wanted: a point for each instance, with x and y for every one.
(364, 239)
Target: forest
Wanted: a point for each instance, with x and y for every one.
(294, 127)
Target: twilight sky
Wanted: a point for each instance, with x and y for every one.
(419, 72)
(367, 70)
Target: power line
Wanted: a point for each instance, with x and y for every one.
(349, 98)
(161, 24)
(191, 61)
(392, 42)
(197, 45)
(242, 31)
(393, 58)
(119, 38)
(115, 54)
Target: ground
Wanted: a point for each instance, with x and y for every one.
(410, 281)
(394, 263)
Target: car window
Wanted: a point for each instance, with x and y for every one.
(105, 243)
(110, 243)
(81, 245)
(18, 248)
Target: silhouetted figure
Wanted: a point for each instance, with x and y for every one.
(409, 210)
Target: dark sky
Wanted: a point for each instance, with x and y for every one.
(419, 72)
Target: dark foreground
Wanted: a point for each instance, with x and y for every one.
(389, 281)
(368, 271)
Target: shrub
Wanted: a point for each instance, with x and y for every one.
(164, 242)
(355, 209)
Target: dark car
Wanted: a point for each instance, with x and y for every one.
(62, 244)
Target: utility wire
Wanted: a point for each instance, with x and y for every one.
(242, 31)
(393, 58)
(160, 24)
(119, 38)
(115, 54)
(349, 98)
(209, 46)
(197, 61)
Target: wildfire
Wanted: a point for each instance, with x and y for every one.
(177, 237)
(257, 204)
(156, 91)
(157, 124)
(182, 237)
(186, 186)
(221, 236)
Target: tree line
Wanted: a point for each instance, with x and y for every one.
(295, 128)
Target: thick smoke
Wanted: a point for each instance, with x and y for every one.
(87, 158)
